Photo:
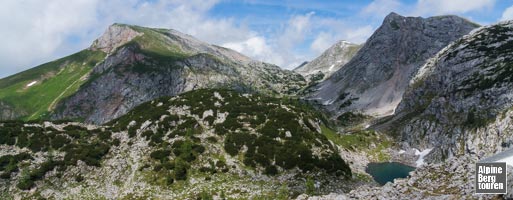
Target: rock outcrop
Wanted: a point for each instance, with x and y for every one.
(114, 37)
(460, 101)
(7, 112)
(374, 81)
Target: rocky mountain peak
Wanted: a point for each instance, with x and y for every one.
(374, 81)
(393, 15)
(115, 36)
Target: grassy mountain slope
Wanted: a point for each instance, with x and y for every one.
(53, 81)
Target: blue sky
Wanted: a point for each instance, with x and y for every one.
(285, 32)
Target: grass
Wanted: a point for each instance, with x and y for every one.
(55, 81)
(154, 42)
(361, 141)
(332, 135)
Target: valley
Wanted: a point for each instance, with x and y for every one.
(151, 113)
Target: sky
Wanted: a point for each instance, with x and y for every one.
(285, 33)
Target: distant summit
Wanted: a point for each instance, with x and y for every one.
(330, 61)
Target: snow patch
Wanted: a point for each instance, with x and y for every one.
(31, 83)
(344, 43)
(421, 155)
(328, 102)
(331, 68)
(401, 151)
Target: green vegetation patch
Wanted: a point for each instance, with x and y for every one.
(52, 82)
(76, 142)
(369, 141)
(268, 133)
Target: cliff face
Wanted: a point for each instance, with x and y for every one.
(374, 81)
(7, 112)
(330, 61)
(460, 101)
(158, 62)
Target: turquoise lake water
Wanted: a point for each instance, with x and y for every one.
(388, 171)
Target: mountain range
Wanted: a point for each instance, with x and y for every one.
(129, 65)
(154, 113)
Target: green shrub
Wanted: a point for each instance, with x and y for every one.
(187, 150)
(169, 165)
(180, 170)
(116, 142)
(161, 155)
(310, 186)
(271, 170)
(74, 128)
(91, 154)
(204, 195)
(38, 142)
(350, 118)
(104, 135)
(8, 137)
(147, 134)
(132, 131)
(79, 178)
(210, 120)
(59, 141)
(25, 183)
(212, 139)
(23, 140)
(47, 166)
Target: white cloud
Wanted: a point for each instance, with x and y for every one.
(359, 34)
(33, 30)
(438, 7)
(338, 29)
(36, 31)
(280, 49)
(257, 48)
(380, 8)
(507, 14)
(54, 28)
(322, 42)
(295, 31)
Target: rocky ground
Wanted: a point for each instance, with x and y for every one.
(452, 179)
